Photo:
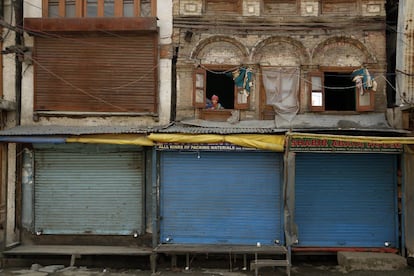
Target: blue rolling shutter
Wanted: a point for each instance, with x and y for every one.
(88, 189)
(346, 200)
(221, 197)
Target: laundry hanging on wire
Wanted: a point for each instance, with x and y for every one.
(242, 78)
(363, 80)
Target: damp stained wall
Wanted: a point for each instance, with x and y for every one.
(308, 34)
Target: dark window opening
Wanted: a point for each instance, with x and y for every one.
(339, 92)
(2, 10)
(218, 83)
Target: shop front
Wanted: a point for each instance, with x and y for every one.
(346, 192)
(91, 189)
(220, 193)
(82, 195)
(221, 197)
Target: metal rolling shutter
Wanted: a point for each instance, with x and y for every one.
(88, 189)
(97, 72)
(346, 200)
(221, 197)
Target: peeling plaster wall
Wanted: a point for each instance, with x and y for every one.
(9, 69)
(164, 14)
(308, 48)
(12, 236)
(405, 53)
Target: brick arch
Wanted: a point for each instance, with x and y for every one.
(342, 40)
(205, 42)
(303, 53)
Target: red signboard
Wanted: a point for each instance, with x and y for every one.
(321, 144)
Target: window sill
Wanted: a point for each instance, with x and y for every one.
(215, 115)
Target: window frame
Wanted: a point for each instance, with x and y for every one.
(237, 104)
(81, 8)
(365, 108)
(203, 74)
(320, 73)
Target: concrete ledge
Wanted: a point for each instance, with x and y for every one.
(370, 261)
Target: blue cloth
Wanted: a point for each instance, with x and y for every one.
(242, 78)
(366, 77)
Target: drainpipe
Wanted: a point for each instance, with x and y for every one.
(174, 86)
(18, 9)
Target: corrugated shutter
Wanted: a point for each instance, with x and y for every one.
(221, 197)
(88, 189)
(346, 200)
(96, 73)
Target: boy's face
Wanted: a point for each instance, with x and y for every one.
(214, 101)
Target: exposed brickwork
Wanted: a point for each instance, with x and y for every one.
(303, 43)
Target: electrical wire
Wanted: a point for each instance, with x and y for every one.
(166, 37)
(49, 35)
(45, 34)
(297, 75)
(83, 91)
(205, 68)
(104, 31)
(395, 89)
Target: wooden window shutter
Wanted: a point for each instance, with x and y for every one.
(317, 93)
(199, 93)
(241, 98)
(365, 101)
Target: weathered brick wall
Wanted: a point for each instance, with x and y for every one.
(305, 40)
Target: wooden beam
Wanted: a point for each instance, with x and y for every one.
(101, 9)
(119, 8)
(62, 8)
(45, 8)
(154, 8)
(145, 24)
(79, 8)
(137, 7)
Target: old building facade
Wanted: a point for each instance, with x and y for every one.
(316, 70)
(292, 43)
(118, 142)
(82, 68)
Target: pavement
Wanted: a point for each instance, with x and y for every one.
(308, 268)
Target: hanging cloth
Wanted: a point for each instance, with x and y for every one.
(363, 80)
(242, 78)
